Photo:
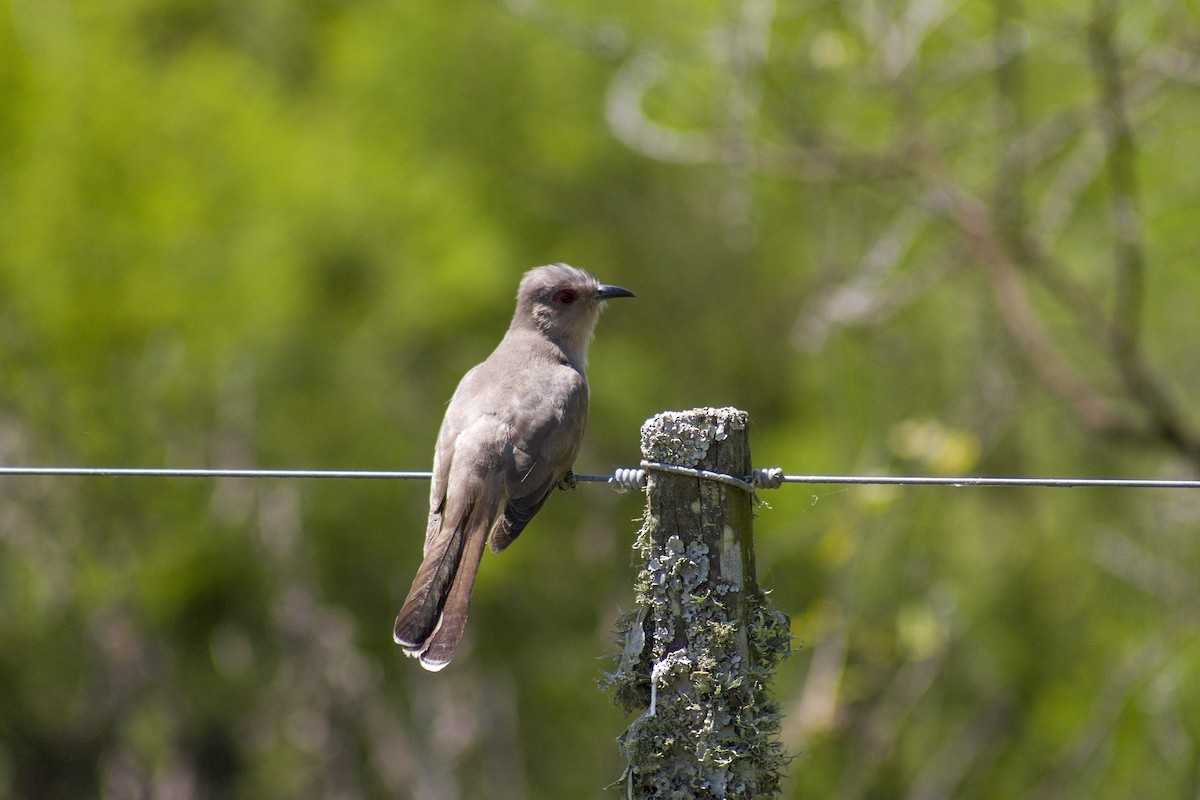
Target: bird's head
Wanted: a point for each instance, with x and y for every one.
(563, 303)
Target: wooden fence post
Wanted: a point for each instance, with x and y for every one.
(700, 649)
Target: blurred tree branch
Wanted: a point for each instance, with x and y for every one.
(1062, 159)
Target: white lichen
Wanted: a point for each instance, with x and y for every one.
(675, 438)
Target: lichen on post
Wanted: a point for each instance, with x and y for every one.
(698, 652)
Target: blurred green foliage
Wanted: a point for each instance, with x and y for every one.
(275, 234)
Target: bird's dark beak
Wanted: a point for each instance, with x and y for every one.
(609, 292)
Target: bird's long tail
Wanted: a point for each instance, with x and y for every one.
(430, 623)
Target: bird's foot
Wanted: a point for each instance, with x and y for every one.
(568, 481)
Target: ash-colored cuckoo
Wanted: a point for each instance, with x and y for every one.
(509, 437)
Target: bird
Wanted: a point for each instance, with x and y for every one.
(508, 439)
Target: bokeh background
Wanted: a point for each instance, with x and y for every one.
(928, 236)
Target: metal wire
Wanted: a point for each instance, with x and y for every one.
(964, 481)
(622, 478)
(139, 472)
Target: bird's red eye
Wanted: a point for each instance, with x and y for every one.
(564, 297)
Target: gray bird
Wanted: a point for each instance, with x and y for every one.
(509, 437)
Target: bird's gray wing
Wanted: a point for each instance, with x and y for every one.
(465, 500)
(546, 438)
(459, 413)
(456, 508)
